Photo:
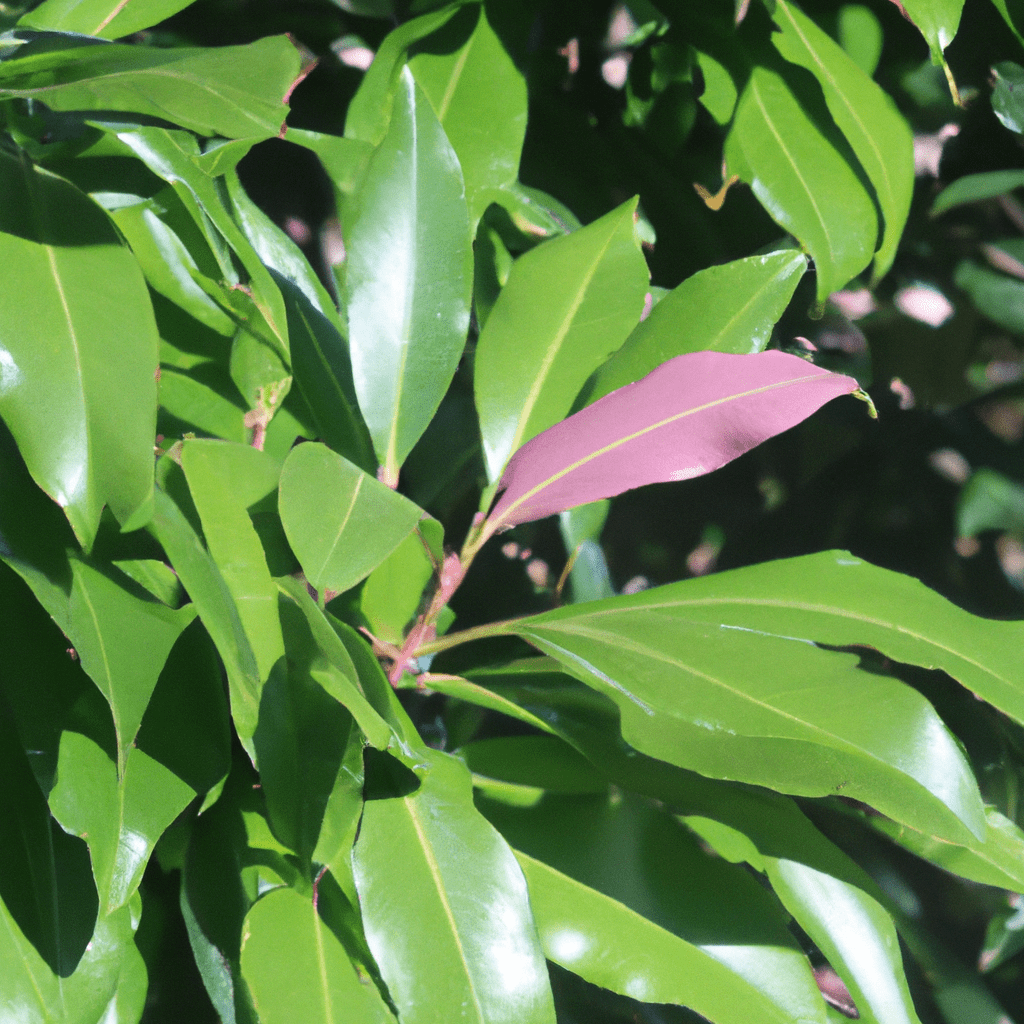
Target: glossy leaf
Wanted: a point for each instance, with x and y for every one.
(238, 92)
(120, 821)
(452, 935)
(340, 522)
(85, 433)
(865, 114)
(215, 606)
(802, 180)
(938, 21)
(974, 187)
(408, 278)
(479, 97)
(109, 19)
(567, 306)
(200, 408)
(806, 723)
(626, 899)
(296, 967)
(729, 308)
(1007, 79)
(692, 415)
(394, 590)
(122, 642)
(225, 480)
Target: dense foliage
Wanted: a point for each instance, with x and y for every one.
(378, 642)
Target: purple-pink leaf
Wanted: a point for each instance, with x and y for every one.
(688, 417)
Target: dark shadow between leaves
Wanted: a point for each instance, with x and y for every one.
(386, 777)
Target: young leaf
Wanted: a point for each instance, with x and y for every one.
(692, 415)
(340, 522)
(728, 308)
(84, 431)
(235, 91)
(865, 114)
(408, 278)
(567, 306)
(479, 97)
(802, 180)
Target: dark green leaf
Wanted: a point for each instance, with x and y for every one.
(974, 187)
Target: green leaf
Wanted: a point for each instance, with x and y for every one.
(972, 188)
(368, 114)
(806, 722)
(216, 607)
(296, 968)
(860, 35)
(235, 91)
(938, 21)
(109, 19)
(122, 642)
(567, 306)
(120, 821)
(865, 114)
(225, 481)
(802, 180)
(452, 934)
(995, 295)
(479, 97)
(394, 590)
(1012, 19)
(531, 762)
(86, 434)
(408, 278)
(200, 408)
(340, 522)
(729, 308)
(626, 899)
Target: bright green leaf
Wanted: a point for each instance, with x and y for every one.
(860, 35)
(109, 19)
(77, 390)
(408, 278)
(802, 180)
(865, 114)
(340, 522)
(567, 306)
(728, 308)
(938, 21)
(120, 821)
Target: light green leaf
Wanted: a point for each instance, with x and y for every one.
(567, 306)
(122, 642)
(394, 590)
(801, 180)
(589, 578)
(860, 35)
(85, 432)
(225, 480)
(120, 821)
(865, 114)
(296, 968)
(806, 722)
(452, 934)
(216, 607)
(109, 19)
(408, 278)
(972, 188)
(719, 96)
(626, 899)
(235, 91)
(938, 21)
(728, 308)
(200, 408)
(340, 522)
(479, 96)
(156, 577)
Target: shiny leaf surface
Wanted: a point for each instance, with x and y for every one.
(801, 180)
(408, 277)
(567, 306)
(692, 415)
(453, 937)
(109, 19)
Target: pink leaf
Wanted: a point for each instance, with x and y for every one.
(688, 417)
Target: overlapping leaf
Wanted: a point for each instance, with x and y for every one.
(802, 180)
(567, 306)
(109, 19)
(865, 114)
(692, 415)
(408, 278)
(729, 308)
